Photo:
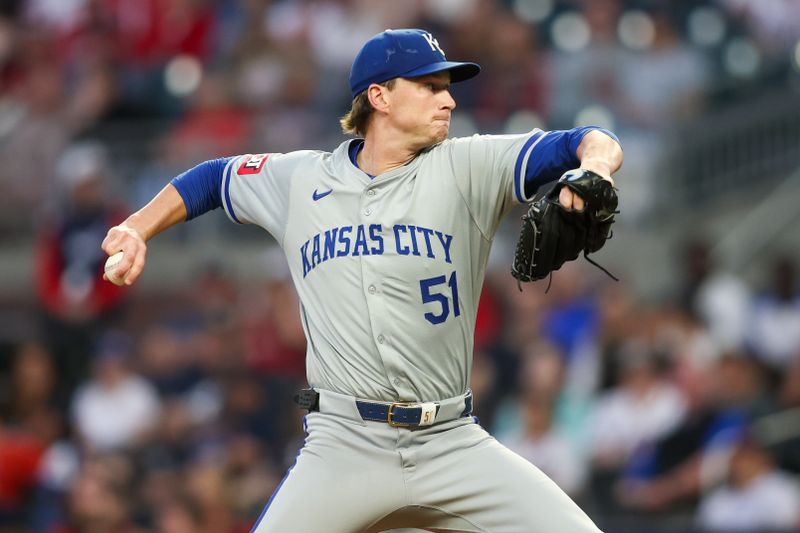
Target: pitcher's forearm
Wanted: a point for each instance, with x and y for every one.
(600, 153)
(130, 237)
(162, 212)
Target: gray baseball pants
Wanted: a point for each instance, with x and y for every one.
(353, 476)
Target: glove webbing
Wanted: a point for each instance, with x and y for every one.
(528, 220)
(550, 277)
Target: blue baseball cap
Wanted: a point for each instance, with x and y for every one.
(403, 54)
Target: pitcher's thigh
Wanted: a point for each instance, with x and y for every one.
(335, 492)
(497, 490)
(286, 509)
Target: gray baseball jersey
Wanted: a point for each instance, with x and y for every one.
(389, 271)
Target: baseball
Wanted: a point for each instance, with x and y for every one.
(111, 264)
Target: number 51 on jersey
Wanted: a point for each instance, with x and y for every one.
(435, 292)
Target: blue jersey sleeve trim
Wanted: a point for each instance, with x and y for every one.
(556, 154)
(226, 186)
(577, 135)
(199, 187)
(518, 176)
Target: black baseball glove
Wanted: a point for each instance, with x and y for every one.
(552, 235)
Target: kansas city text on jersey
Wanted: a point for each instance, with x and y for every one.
(358, 240)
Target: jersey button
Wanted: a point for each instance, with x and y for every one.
(370, 193)
(368, 211)
(372, 289)
(381, 339)
(398, 381)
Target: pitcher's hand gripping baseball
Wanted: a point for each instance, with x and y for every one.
(552, 234)
(127, 269)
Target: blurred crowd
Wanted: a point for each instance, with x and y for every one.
(171, 412)
(169, 83)
(131, 411)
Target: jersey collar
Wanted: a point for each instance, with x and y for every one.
(355, 146)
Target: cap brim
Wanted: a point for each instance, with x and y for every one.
(458, 71)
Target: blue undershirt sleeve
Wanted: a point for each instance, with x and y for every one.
(555, 154)
(200, 186)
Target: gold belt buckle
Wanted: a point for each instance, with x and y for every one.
(390, 415)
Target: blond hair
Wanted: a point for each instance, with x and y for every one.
(356, 121)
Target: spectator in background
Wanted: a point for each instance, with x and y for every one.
(116, 408)
(775, 24)
(166, 363)
(522, 313)
(75, 301)
(689, 348)
(642, 408)
(483, 383)
(274, 349)
(39, 445)
(755, 497)
(178, 515)
(20, 457)
(208, 484)
(569, 311)
(172, 445)
(513, 81)
(545, 413)
(146, 35)
(251, 477)
(590, 75)
(721, 300)
(291, 117)
(571, 320)
(775, 332)
(249, 402)
(544, 446)
(213, 125)
(333, 29)
(788, 449)
(34, 132)
(663, 82)
(99, 500)
(673, 470)
(618, 319)
(30, 422)
(57, 83)
(32, 399)
(274, 344)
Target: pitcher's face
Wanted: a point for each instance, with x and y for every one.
(421, 108)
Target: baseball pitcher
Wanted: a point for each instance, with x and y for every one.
(387, 239)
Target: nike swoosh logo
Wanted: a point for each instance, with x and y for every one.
(320, 195)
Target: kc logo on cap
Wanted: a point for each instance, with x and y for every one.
(433, 42)
(405, 53)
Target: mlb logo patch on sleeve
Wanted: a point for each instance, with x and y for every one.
(252, 164)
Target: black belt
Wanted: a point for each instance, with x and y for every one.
(398, 414)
